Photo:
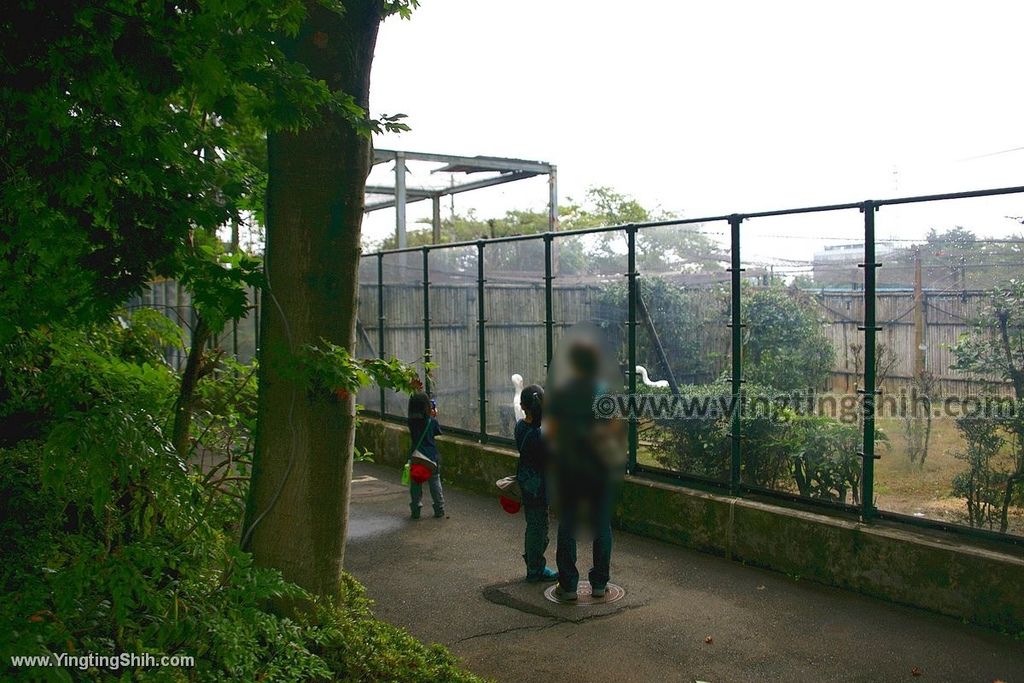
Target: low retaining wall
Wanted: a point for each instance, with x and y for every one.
(934, 572)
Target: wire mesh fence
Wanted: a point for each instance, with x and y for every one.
(816, 354)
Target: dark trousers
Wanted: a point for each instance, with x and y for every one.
(536, 542)
(597, 498)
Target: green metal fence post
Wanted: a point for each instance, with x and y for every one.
(631, 341)
(869, 391)
(426, 320)
(380, 325)
(735, 323)
(481, 338)
(549, 323)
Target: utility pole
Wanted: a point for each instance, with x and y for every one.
(436, 201)
(919, 345)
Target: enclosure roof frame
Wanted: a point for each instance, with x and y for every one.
(508, 170)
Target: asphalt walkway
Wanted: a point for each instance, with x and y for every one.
(686, 616)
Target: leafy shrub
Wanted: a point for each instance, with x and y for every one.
(782, 449)
(785, 344)
(115, 543)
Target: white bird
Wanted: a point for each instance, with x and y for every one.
(517, 382)
(642, 371)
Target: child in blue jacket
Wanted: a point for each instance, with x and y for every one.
(423, 427)
(531, 474)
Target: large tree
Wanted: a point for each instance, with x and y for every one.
(298, 505)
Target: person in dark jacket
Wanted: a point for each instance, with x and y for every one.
(586, 463)
(423, 427)
(531, 474)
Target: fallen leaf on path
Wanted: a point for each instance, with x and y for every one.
(915, 671)
(708, 640)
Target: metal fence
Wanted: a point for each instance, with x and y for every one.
(482, 311)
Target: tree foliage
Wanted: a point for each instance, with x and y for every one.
(132, 133)
(784, 342)
(658, 247)
(994, 450)
(128, 128)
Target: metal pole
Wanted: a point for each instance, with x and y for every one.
(549, 322)
(380, 325)
(400, 199)
(737, 355)
(481, 338)
(426, 319)
(631, 340)
(869, 391)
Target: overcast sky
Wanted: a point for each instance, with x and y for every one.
(707, 108)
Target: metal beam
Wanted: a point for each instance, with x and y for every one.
(390, 203)
(421, 192)
(491, 163)
(455, 189)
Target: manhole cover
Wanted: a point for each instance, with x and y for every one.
(612, 594)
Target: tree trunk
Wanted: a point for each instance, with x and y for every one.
(297, 512)
(190, 377)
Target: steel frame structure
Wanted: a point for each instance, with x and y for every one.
(508, 170)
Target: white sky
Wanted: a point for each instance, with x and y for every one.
(715, 107)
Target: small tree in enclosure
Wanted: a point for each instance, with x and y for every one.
(784, 342)
(782, 449)
(995, 346)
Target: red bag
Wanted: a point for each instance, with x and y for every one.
(511, 496)
(419, 473)
(510, 506)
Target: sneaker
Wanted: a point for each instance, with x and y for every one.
(598, 591)
(416, 513)
(546, 576)
(438, 513)
(564, 595)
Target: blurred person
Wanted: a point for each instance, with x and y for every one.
(423, 427)
(531, 475)
(589, 456)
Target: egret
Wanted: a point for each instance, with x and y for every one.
(517, 382)
(642, 371)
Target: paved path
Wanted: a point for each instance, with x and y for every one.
(431, 576)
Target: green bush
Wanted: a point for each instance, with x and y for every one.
(115, 543)
(783, 449)
(784, 340)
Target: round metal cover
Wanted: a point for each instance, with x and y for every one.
(613, 593)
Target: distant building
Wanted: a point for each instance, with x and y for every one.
(942, 269)
(837, 266)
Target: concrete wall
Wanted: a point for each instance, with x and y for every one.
(932, 571)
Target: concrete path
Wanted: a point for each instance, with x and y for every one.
(686, 616)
